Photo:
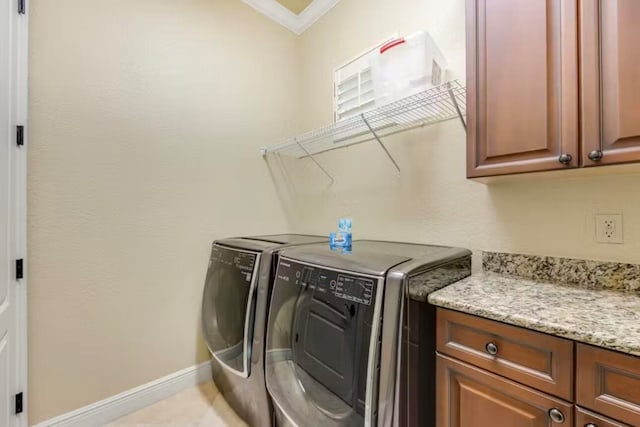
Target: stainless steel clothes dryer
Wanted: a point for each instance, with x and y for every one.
(333, 346)
(234, 307)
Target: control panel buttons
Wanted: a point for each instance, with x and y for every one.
(355, 289)
(321, 281)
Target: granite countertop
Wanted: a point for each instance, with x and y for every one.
(604, 318)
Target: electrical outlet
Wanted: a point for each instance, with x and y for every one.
(609, 228)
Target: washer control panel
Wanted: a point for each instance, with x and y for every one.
(351, 287)
(354, 288)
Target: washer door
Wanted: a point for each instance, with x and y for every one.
(322, 349)
(228, 306)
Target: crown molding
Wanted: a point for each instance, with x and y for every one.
(283, 16)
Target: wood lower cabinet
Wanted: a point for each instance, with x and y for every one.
(586, 418)
(522, 87)
(609, 383)
(539, 360)
(411, 410)
(472, 397)
(610, 86)
(593, 386)
(417, 367)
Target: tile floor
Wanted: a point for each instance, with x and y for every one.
(201, 406)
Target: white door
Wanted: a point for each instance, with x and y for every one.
(12, 296)
(7, 285)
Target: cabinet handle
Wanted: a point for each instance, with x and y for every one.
(556, 415)
(595, 156)
(590, 425)
(491, 348)
(565, 159)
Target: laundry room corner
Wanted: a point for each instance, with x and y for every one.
(337, 213)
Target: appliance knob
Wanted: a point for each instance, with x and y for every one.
(556, 416)
(491, 348)
(595, 155)
(565, 159)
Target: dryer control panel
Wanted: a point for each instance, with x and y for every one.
(343, 285)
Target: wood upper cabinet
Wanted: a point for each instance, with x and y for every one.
(522, 86)
(610, 81)
(470, 397)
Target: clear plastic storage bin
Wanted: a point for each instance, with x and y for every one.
(405, 66)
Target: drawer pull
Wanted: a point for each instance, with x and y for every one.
(556, 415)
(565, 159)
(491, 348)
(590, 425)
(595, 156)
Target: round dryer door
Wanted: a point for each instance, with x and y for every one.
(227, 306)
(321, 359)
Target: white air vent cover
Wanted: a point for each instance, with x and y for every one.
(353, 85)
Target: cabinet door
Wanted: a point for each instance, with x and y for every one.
(410, 407)
(522, 86)
(586, 418)
(418, 367)
(470, 397)
(541, 361)
(610, 85)
(608, 383)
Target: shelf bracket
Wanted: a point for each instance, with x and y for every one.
(457, 107)
(314, 160)
(375, 135)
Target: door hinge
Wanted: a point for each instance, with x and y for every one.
(22, 6)
(20, 135)
(19, 406)
(19, 269)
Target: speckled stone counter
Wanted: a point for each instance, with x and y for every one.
(605, 318)
(566, 271)
(422, 285)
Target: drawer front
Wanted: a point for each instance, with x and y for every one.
(538, 360)
(467, 396)
(609, 383)
(586, 418)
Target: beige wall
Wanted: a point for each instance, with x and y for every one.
(146, 118)
(431, 201)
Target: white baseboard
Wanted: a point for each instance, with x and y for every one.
(114, 407)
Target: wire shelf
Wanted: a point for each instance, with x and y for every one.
(444, 102)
